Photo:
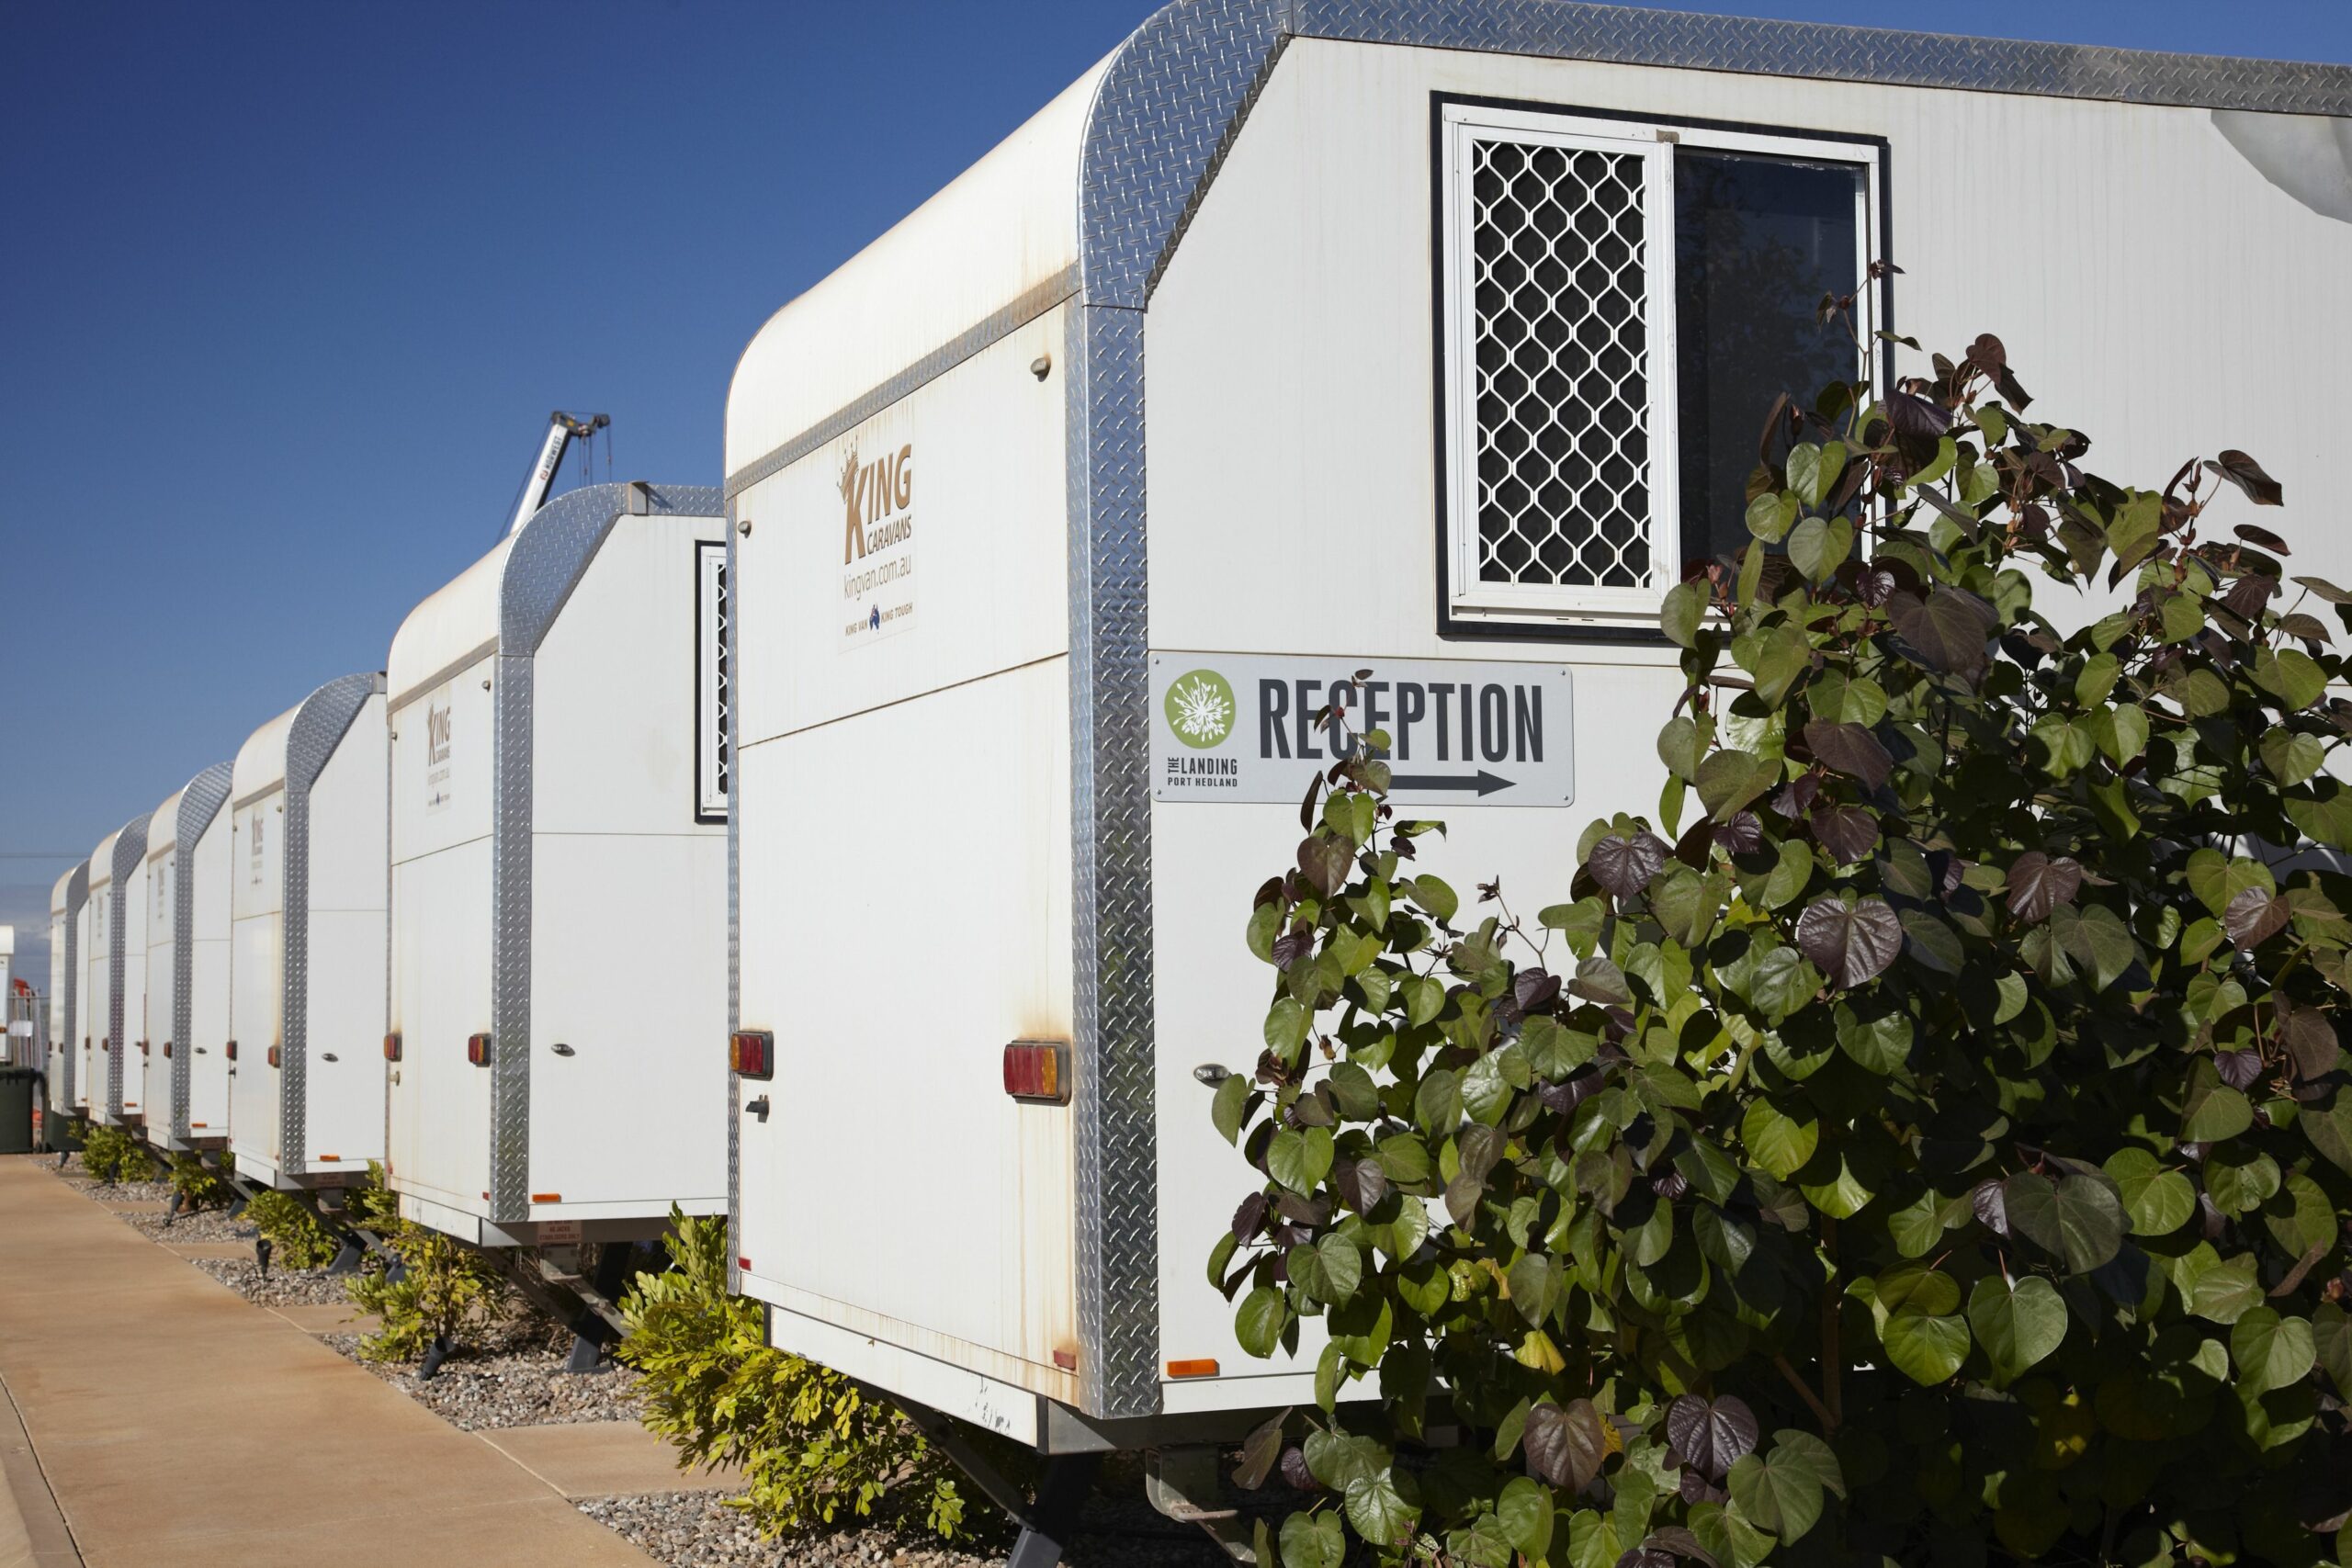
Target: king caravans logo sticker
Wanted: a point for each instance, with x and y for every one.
(877, 544)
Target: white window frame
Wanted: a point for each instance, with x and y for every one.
(1464, 125)
(713, 624)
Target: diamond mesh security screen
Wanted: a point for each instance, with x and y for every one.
(713, 700)
(1561, 305)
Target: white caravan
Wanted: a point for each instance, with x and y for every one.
(306, 960)
(63, 1073)
(115, 963)
(181, 1051)
(1303, 337)
(559, 878)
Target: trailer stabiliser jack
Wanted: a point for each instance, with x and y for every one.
(1047, 1521)
(1178, 1478)
(440, 1350)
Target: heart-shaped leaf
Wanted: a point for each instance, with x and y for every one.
(2077, 1218)
(1851, 944)
(1948, 629)
(1324, 862)
(2159, 1201)
(2018, 1327)
(2246, 474)
(1625, 866)
(2038, 883)
(1565, 1443)
(1927, 1350)
(1850, 749)
(2271, 1351)
(1711, 1434)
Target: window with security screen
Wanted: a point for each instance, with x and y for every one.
(1622, 303)
(713, 708)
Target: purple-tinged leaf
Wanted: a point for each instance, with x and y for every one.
(2246, 474)
(1850, 749)
(1742, 835)
(1260, 1453)
(1988, 353)
(1694, 1487)
(1853, 943)
(2254, 917)
(2325, 589)
(1361, 1182)
(1296, 1472)
(1913, 416)
(1875, 586)
(1251, 1217)
(2257, 535)
(1948, 629)
(2238, 1069)
(2310, 1041)
(1564, 1444)
(1534, 991)
(1992, 1208)
(2307, 628)
(1847, 832)
(2038, 884)
(1325, 861)
(1796, 796)
(1682, 1543)
(1712, 1435)
(1625, 866)
(1647, 1557)
(2249, 594)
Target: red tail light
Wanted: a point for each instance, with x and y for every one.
(478, 1049)
(142, 1048)
(232, 1048)
(1032, 1070)
(168, 1049)
(391, 1047)
(752, 1054)
(273, 1055)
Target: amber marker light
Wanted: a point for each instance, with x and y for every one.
(391, 1047)
(478, 1049)
(273, 1055)
(547, 1197)
(1203, 1368)
(1032, 1070)
(750, 1053)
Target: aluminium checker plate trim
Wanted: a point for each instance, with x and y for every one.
(549, 555)
(200, 804)
(129, 853)
(317, 727)
(734, 938)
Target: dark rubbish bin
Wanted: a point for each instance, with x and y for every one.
(18, 1088)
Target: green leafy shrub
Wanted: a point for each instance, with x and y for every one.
(197, 1183)
(444, 1290)
(113, 1153)
(297, 1239)
(813, 1446)
(1941, 1149)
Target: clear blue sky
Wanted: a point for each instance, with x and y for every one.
(287, 290)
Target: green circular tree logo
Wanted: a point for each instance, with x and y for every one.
(1200, 709)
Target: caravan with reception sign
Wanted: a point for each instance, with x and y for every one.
(559, 878)
(181, 1061)
(307, 936)
(1299, 340)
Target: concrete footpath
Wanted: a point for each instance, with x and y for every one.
(167, 1420)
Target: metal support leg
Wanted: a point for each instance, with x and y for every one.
(590, 1333)
(1047, 1521)
(1053, 1518)
(435, 1354)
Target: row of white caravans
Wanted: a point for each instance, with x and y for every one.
(342, 946)
(1298, 337)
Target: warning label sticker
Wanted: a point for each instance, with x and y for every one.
(1252, 727)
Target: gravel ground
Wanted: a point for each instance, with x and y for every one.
(697, 1529)
(205, 1224)
(283, 1287)
(120, 1192)
(511, 1385)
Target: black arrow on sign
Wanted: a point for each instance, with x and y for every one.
(1485, 782)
